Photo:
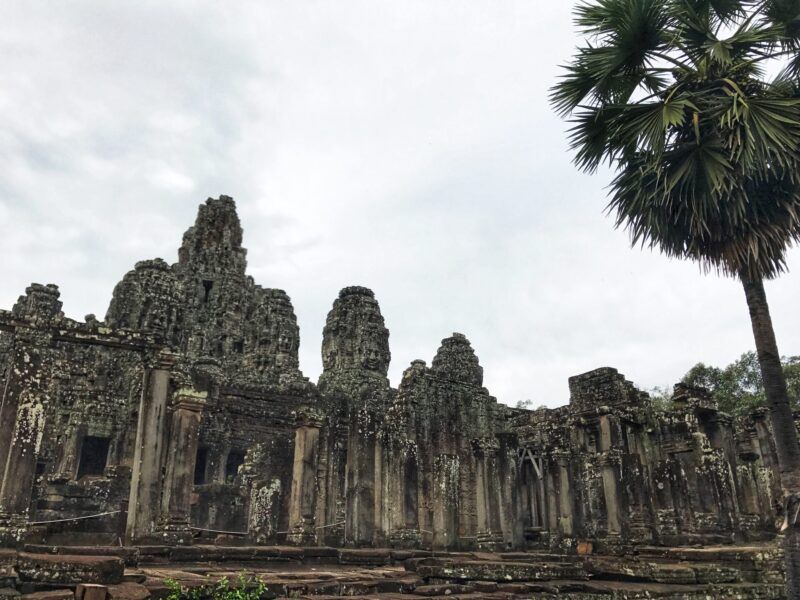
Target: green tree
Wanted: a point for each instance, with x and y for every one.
(673, 95)
(660, 397)
(739, 388)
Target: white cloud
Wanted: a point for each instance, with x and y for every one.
(407, 146)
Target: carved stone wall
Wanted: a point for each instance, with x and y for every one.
(450, 450)
(185, 414)
(616, 469)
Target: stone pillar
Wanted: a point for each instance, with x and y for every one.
(481, 508)
(446, 489)
(510, 522)
(489, 535)
(22, 419)
(261, 481)
(149, 454)
(565, 512)
(360, 515)
(330, 511)
(302, 501)
(179, 477)
(403, 483)
(215, 463)
(23, 371)
(553, 495)
(768, 474)
(609, 464)
(116, 451)
(71, 453)
(382, 518)
(665, 513)
(609, 472)
(604, 442)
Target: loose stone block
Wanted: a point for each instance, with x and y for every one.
(128, 591)
(69, 569)
(91, 591)
(49, 595)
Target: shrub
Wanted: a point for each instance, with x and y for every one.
(244, 587)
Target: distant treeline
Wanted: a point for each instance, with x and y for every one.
(738, 388)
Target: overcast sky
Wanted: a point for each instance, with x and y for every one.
(405, 146)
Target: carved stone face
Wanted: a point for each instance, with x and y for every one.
(156, 320)
(370, 357)
(285, 342)
(355, 336)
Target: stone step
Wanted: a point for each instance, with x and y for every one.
(69, 568)
(336, 581)
(447, 569)
(129, 554)
(619, 569)
(446, 589)
(49, 595)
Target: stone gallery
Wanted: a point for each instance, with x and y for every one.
(183, 419)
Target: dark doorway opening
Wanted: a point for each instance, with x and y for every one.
(200, 464)
(207, 287)
(235, 460)
(94, 453)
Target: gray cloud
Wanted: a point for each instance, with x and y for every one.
(407, 146)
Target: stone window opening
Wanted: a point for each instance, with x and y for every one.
(238, 346)
(234, 461)
(200, 465)
(591, 441)
(208, 285)
(94, 455)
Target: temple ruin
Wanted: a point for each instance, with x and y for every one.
(182, 419)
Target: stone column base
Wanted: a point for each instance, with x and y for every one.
(667, 521)
(641, 531)
(490, 541)
(175, 533)
(613, 545)
(302, 534)
(13, 529)
(405, 538)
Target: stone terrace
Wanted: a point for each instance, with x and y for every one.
(743, 572)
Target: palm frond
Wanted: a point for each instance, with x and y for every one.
(784, 15)
(707, 151)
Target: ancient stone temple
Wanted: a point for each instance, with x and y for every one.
(183, 417)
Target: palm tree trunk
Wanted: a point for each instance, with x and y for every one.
(783, 425)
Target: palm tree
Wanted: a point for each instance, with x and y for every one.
(673, 94)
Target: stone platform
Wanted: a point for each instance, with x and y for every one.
(56, 573)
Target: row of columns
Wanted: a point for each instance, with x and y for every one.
(166, 448)
(376, 478)
(167, 436)
(164, 455)
(302, 499)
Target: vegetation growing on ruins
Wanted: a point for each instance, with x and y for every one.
(675, 96)
(244, 587)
